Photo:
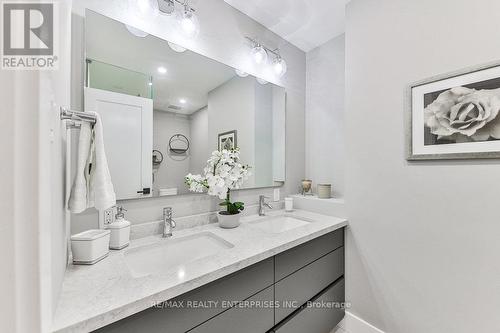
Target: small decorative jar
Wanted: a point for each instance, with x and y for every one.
(306, 186)
(324, 191)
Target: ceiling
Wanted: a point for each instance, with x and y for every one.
(189, 75)
(304, 23)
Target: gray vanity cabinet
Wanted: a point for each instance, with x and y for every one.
(319, 315)
(235, 287)
(270, 296)
(244, 318)
(299, 287)
(292, 260)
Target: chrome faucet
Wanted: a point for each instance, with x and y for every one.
(262, 203)
(168, 222)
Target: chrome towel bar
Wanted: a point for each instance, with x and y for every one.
(77, 116)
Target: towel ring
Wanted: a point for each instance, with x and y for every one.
(157, 157)
(178, 137)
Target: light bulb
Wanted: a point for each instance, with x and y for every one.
(182, 101)
(176, 48)
(279, 66)
(259, 54)
(144, 7)
(241, 73)
(188, 23)
(166, 7)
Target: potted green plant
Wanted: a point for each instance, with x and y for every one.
(222, 174)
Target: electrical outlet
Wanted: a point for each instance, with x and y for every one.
(109, 215)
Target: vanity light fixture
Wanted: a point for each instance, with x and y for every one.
(188, 21)
(143, 5)
(176, 48)
(279, 66)
(162, 70)
(166, 7)
(260, 54)
(241, 73)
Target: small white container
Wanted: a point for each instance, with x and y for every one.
(90, 246)
(120, 234)
(288, 204)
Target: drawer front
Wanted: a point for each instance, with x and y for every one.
(296, 258)
(235, 287)
(316, 318)
(256, 318)
(299, 287)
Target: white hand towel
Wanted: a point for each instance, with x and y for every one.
(101, 192)
(92, 186)
(78, 198)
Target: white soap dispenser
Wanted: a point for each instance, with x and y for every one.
(120, 230)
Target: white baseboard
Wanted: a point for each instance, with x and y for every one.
(353, 324)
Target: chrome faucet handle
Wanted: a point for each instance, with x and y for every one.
(167, 212)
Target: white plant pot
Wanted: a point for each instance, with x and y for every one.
(228, 221)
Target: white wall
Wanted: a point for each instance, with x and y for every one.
(263, 140)
(33, 222)
(222, 37)
(231, 106)
(174, 167)
(423, 246)
(325, 137)
(200, 150)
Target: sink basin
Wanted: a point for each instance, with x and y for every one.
(173, 254)
(279, 224)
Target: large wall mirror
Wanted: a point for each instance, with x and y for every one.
(165, 109)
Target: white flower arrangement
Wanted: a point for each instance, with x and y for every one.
(222, 174)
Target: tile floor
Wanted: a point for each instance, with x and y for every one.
(338, 330)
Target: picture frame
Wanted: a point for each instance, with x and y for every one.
(455, 115)
(227, 140)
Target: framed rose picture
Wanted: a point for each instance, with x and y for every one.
(455, 116)
(228, 140)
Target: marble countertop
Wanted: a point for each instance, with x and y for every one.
(98, 295)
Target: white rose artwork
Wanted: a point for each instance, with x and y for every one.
(462, 114)
(455, 115)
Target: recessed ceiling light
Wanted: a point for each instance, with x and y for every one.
(182, 101)
(162, 70)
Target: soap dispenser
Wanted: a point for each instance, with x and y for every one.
(120, 230)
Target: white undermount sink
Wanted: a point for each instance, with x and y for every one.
(279, 224)
(173, 254)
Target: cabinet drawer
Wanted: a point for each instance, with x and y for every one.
(319, 317)
(296, 258)
(256, 318)
(235, 287)
(304, 284)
